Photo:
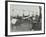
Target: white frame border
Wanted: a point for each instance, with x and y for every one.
(29, 32)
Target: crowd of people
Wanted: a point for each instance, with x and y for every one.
(26, 23)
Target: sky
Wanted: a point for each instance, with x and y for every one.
(23, 9)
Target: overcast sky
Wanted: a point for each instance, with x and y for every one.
(20, 9)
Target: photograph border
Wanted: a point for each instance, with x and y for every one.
(6, 18)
